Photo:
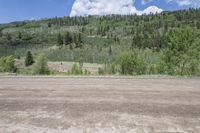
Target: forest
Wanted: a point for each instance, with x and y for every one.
(157, 44)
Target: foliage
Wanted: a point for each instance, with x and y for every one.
(182, 55)
(68, 38)
(59, 40)
(76, 69)
(108, 69)
(7, 64)
(41, 67)
(131, 63)
(29, 59)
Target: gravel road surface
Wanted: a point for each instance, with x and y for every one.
(99, 105)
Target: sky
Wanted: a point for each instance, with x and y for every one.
(18, 10)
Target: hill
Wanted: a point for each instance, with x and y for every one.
(162, 43)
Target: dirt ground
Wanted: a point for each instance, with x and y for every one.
(66, 66)
(99, 105)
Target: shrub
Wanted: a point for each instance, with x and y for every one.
(76, 69)
(86, 72)
(7, 64)
(131, 63)
(101, 71)
(41, 67)
(182, 54)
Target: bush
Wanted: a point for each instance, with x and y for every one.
(76, 69)
(101, 71)
(41, 67)
(182, 54)
(131, 64)
(7, 64)
(109, 68)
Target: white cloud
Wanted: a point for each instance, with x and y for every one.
(193, 3)
(180, 2)
(152, 9)
(103, 7)
(145, 1)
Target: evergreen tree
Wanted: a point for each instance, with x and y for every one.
(59, 40)
(70, 46)
(110, 51)
(49, 24)
(20, 35)
(9, 38)
(133, 43)
(68, 38)
(74, 39)
(29, 59)
(1, 33)
(198, 25)
(78, 40)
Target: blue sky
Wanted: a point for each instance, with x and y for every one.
(14, 10)
(17, 10)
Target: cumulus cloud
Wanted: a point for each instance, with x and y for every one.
(152, 9)
(103, 7)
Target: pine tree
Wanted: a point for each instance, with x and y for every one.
(20, 35)
(9, 38)
(29, 59)
(68, 39)
(110, 50)
(59, 40)
(1, 33)
(78, 40)
(49, 24)
(198, 25)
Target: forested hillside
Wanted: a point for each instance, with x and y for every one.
(166, 43)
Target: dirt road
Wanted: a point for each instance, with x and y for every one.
(98, 105)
